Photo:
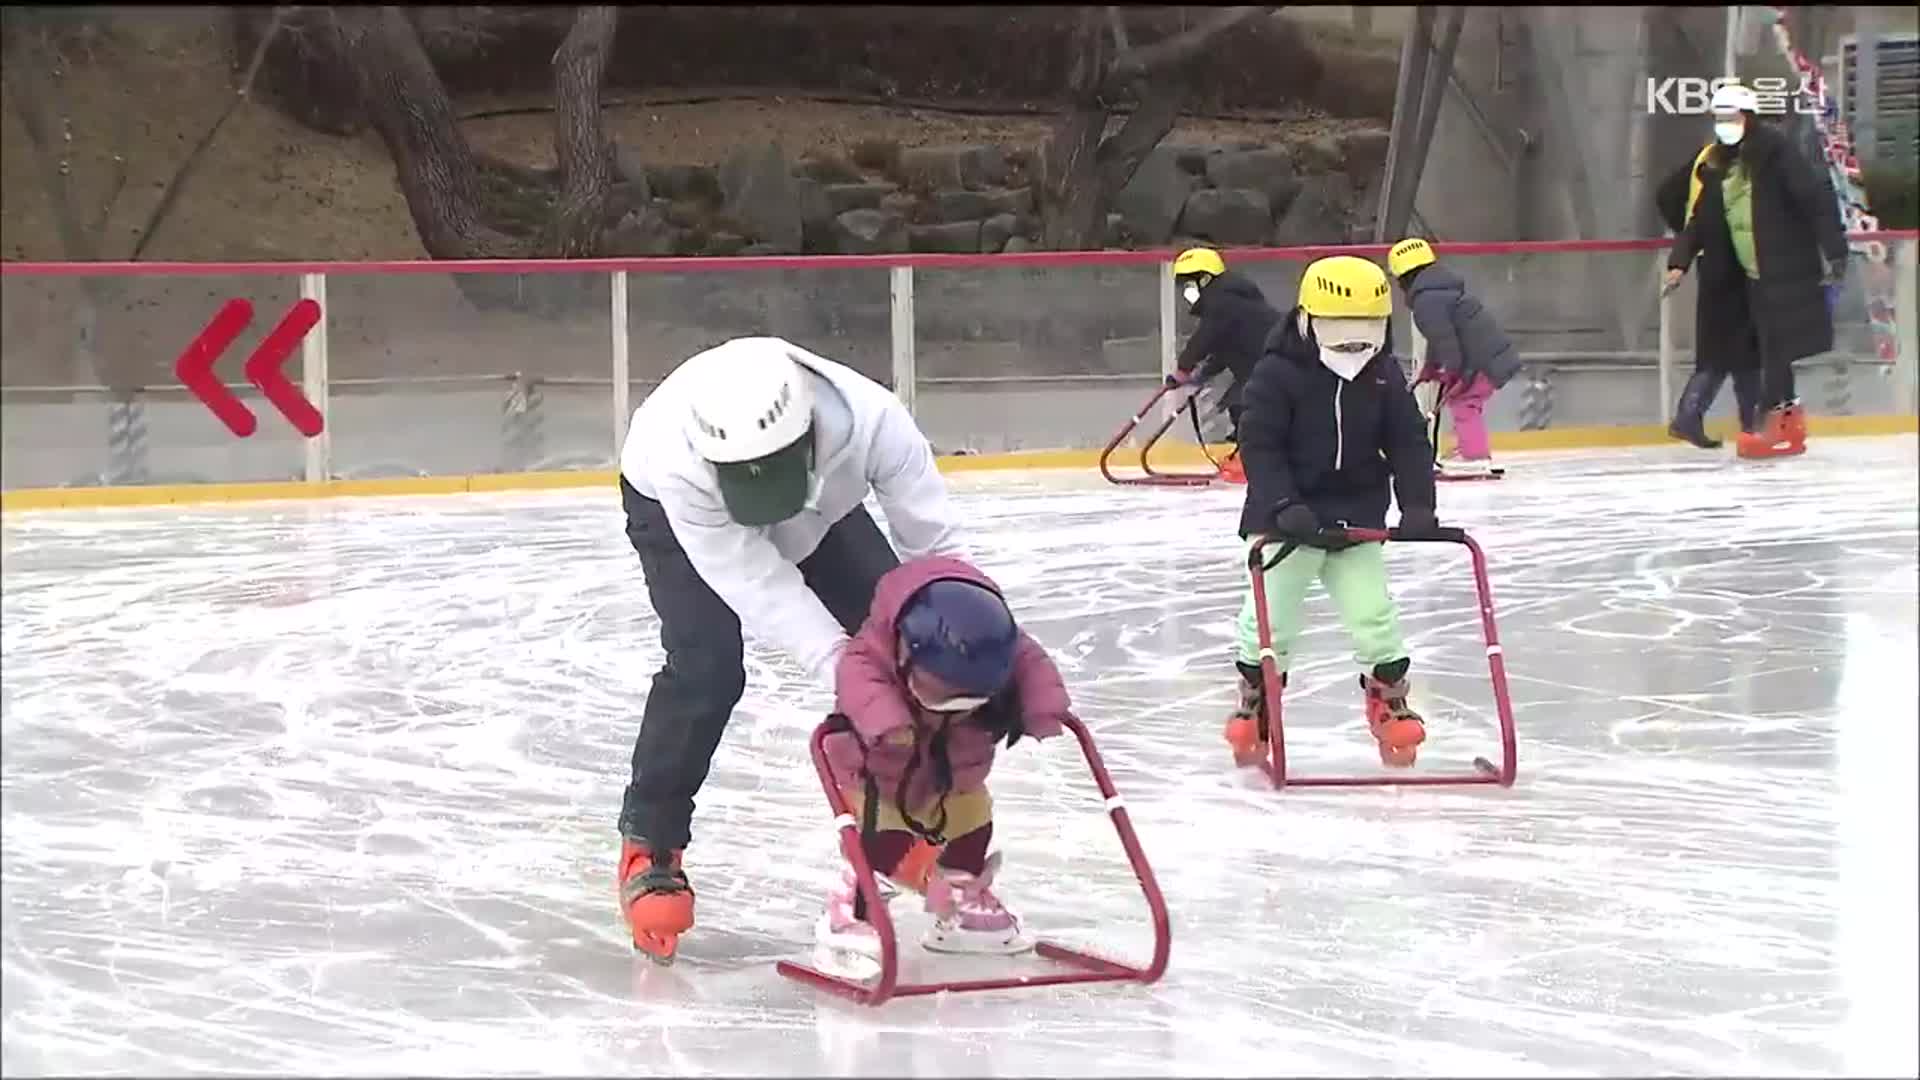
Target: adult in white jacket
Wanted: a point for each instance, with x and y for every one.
(743, 477)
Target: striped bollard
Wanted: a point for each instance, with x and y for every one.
(521, 424)
(126, 438)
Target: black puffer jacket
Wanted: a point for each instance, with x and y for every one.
(1796, 231)
(1309, 436)
(1235, 319)
(1463, 337)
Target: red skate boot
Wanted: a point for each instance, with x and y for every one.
(1397, 728)
(1247, 727)
(1231, 470)
(655, 898)
(1783, 433)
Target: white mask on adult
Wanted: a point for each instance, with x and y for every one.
(1729, 132)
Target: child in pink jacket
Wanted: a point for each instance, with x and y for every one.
(936, 678)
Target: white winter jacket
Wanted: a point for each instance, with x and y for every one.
(866, 441)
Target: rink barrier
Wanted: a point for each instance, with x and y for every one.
(1587, 438)
(523, 434)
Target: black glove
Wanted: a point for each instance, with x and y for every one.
(1418, 519)
(1296, 521)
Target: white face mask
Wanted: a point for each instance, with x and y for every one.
(953, 704)
(1730, 132)
(1192, 293)
(1354, 343)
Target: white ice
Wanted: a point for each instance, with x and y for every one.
(330, 788)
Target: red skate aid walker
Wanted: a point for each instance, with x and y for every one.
(1148, 474)
(886, 986)
(1484, 771)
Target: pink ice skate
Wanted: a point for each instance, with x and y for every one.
(846, 946)
(968, 918)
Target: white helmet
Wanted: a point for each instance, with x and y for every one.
(1733, 97)
(751, 399)
(750, 412)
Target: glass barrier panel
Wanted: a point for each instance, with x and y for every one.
(451, 374)
(1033, 357)
(1586, 325)
(88, 395)
(843, 314)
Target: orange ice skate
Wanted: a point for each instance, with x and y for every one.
(1231, 470)
(1247, 728)
(1397, 728)
(1783, 433)
(656, 899)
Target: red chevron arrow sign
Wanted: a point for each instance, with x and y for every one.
(263, 368)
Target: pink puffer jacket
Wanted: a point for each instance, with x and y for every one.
(869, 691)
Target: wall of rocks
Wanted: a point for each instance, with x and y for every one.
(979, 199)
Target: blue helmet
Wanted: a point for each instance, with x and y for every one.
(961, 633)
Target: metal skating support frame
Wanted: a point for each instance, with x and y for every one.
(1485, 772)
(1148, 475)
(1092, 969)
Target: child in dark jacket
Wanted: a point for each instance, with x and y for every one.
(1329, 422)
(1468, 353)
(1235, 319)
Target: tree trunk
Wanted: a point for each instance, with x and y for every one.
(406, 103)
(1073, 211)
(1073, 216)
(1082, 171)
(579, 139)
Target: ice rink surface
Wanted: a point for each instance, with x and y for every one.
(330, 788)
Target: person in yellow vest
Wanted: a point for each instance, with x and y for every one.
(1782, 219)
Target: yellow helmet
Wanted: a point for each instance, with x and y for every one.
(1199, 261)
(1345, 287)
(1407, 254)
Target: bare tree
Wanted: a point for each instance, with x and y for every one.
(580, 141)
(36, 68)
(37, 62)
(408, 106)
(463, 205)
(1083, 168)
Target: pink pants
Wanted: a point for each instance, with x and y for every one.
(1468, 404)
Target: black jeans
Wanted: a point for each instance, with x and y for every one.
(1776, 366)
(704, 675)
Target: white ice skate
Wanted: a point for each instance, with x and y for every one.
(968, 918)
(843, 945)
(1455, 467)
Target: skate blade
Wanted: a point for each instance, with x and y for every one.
(976, 945)
(659, 948)
(845, 963)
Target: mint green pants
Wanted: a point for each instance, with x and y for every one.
(1356, 579)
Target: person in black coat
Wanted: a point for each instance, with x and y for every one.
(1783, 224)
(1725, 342)
(1234, 321)
(1330, 430)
